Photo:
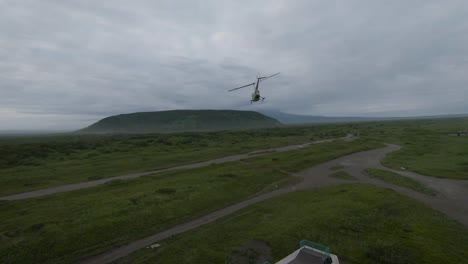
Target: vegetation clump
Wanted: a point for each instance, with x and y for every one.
(166, 190)
(227, 175)
(342, 175)
(398, 179)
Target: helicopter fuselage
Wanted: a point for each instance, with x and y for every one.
(256, 94)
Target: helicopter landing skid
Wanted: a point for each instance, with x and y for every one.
(263, 99)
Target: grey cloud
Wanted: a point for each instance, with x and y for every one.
(62, 61)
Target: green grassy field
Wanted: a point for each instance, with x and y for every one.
(438, 155)
(397, 179)
(31, 163)
(62, 227)
(301, 159)
(427, 146)
(342, 175)
(362, 224)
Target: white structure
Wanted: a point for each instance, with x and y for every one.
(310, 253)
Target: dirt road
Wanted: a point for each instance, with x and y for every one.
(451, 200)
(83, 185)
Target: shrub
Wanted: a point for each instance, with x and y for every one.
(166, 190)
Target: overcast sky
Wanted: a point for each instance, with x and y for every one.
(66, 64)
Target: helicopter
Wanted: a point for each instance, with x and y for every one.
(256, 94)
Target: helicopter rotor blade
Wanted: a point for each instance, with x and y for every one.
(264, 78)
(241, 87)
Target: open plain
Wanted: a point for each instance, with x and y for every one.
(116, 218)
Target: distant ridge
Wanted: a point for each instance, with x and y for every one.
(180, 121)
(287, 118)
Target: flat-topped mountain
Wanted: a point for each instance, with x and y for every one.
(180, 121)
